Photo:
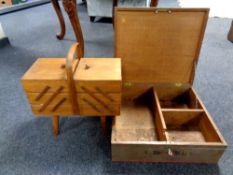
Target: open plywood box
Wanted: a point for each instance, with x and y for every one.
(162, 118)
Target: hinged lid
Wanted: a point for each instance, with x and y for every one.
(159, 45)
(98, 69)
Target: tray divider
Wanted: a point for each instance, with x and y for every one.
(159, 119)
(180, 116)
(181, 110)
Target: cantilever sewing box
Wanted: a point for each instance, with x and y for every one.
(68, 87)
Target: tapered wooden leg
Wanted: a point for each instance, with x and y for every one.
(56, 125)
(71, 9)
(103, 123)
(57, 9)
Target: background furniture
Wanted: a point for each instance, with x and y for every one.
(72, 11)
(5, 3)
(19, 5)
(103, 8)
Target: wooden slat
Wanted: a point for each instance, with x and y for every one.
(115, 96)
(159, 120)
(66, 110)
(87, 110)
(46, 72)
(50, 99)
(63, 110)
(36, 86)
(99, 69)
(165, 91)
(180, 117)
(158, 152)
(106, 86)
(99, 73)
(46, 69)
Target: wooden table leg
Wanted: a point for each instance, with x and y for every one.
(57, 8)
(103, 123)
(154, 3)
(55, 125)
(71, 9)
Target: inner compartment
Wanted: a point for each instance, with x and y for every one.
(189, 126)
(145, 119)
(184, 98)
(135, 123)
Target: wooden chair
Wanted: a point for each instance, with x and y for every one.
(72, 11)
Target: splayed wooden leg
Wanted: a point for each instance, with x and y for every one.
(56, 125)
(103, 123)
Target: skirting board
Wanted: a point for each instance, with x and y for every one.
(22, 6)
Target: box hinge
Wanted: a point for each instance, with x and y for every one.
(163, 10)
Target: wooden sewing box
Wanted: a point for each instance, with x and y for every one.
(74, 86)
(162, 118)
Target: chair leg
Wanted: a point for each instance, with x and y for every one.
(55, 125)
(72, 11)
(154, 3)
(58, 11)
(103, 123)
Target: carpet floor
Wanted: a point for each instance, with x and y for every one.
(27, 144)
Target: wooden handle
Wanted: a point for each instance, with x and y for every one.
(74, 52)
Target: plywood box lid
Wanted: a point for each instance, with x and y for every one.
(159, 45)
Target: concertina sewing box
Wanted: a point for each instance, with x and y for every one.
(74, 86)
(162, 118)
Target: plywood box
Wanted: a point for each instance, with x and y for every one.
(162, 118)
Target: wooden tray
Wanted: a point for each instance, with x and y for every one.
(162, 119)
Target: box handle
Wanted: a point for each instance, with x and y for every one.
(75, 51)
